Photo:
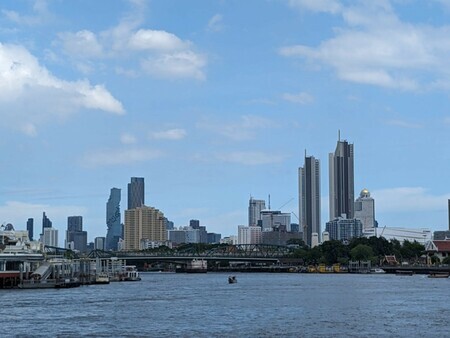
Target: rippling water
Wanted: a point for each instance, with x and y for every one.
(259, 305)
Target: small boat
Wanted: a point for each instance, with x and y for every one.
(131, 274)
(377, 270)
(102, 278)
(438, 275)
(404, 272)
(232, 279)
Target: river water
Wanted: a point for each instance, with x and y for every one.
(258, 305)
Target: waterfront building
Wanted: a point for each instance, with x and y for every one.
(341, 181)
(136, 193)
(30, 228)
(46, 223)
(309, 198)
(365, 210)
(76, 238)
(271, 219)
(254, 211)
(114, 227)
(342, 229)
(438, 248)
(99, 243)
(279, 237)
(421, 235)
(143, 223)
(249, 235)
(50, 237)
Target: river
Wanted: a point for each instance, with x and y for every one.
(258, 305)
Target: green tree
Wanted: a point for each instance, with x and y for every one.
(446, 260)
(333, 250)
(361, 252)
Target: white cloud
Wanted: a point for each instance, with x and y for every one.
(29, 129)
(157, 52)
(156, 40)
(404, 124)
(244, 129)
(83, 43)
(408, 199)
(170, 134)
(377, 48)
(128, 138)
(215, 23)
(302, 98)
(186, 64)
(24, 80)
(40, 15)
(329, 6)
(250, 158)
(110, 157)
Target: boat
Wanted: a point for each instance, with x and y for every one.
(438, 275)
(377, 270)
(131, 274)
(101, 278)
(404, 272)
(194, 266)
(232, 279)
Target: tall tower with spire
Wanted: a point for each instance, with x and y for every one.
(342, 194)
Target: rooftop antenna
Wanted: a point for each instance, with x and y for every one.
(339, 135)
(305, 152)
(269, 201)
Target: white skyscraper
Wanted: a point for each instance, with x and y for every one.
(309, 198)
(254, 211)
(50, 237)
(365, 210)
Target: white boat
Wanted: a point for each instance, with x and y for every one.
(102, 278)
(131, 274)
(377, 270)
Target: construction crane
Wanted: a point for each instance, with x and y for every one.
(286, 203)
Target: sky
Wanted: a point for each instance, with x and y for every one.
(216, 101)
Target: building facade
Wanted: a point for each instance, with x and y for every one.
(114, 226)
(254, 211)
(341, 229)
(309, 198)
(30, 228)
(136, 193)
(249, 235)
(46, 223)
(365, 210)
(76, 238)
(341, 177)
(273, 219)
(99, 243)
(143, 223)
(50, 237)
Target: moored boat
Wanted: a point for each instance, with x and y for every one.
(377, 270)
(438, 275)
(404, 272)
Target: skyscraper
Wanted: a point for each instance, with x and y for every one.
(136, 192)
(30, 226)
(76, 238)
(46, 223)
(114, 232)
(342, 196)
(309, 198)
(254, 211)
(141, 224)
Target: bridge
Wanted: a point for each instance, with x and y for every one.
(241, 252)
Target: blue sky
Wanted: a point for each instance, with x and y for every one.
(214, 101)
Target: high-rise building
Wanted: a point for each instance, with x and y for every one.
(449, 214)
(342, 229)
(342, 197)
(143, 223)
(46, 223)
(309, 198)
(136, 193)
(50, 237)
(194, 224)
(254, 211)
(114, 232)
(76, 238)
(99, 243)
(249, 235)
(274, 219)
(30, 226)
(365, 210)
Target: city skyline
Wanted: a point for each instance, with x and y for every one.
(214, 103)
